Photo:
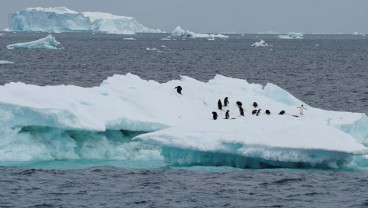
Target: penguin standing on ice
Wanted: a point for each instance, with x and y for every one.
(254, 112)
(282, 112)
(226, 101)
(258, 112)
(255, 104)
(302, 109)
(227, 114)
(178, 89)
(241, 110)
(214, 115)
(268, 112)
(219, 104)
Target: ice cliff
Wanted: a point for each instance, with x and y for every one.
(62, 19)
(180, 126)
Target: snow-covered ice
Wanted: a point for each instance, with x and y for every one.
(62, 19)
(260, 43)
(182, 125)
(179, 32)
(292, 35)
(48, 42)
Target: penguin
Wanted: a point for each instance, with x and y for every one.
(214, 115)
(226, 101)
(239, 103)
(241, 111)
(219, 104)
(178, 89)
(254, 112)
(227, 114)
(258, 112)
(255, 105)
(282, 112)
(268, 112)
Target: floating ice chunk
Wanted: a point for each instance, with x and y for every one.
(358, 33)
(166, 38)
(179, 32)
(62, 19)
(189, 136)
(151, 49)
(48, 42)
(260, 43)
(5, 62)
(292, 35)
(129, 38)
(6, 30)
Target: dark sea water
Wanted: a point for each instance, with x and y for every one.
(325, 71)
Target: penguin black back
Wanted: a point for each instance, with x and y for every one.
(254, 112)
(268, 112)
(239, 104)
(258, 112)
(219, 104)
(227, 114)
(178, 89)
(214, 115)
(255, 105)
(282, 112)
(241, 110)
(226, 101)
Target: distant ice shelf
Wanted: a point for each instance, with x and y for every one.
(292, 35)
(62, 19)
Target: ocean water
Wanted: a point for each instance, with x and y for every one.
(325, 71)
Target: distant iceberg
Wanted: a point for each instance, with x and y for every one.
(260, 43)
(179, 32)
(358, 33)
(48, 42)
(189, 136)
(292, 35)
(62, 19)
(5, 62)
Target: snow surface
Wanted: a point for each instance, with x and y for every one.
(5, 62)
(179, 32)
(183, 126)
(48, 42)
(62, 19)
(292, 35)
(260, 43)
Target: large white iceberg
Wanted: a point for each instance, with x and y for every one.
(62, 19)
(181, 126)
(48, 42)
(179, 32)
(292, 35)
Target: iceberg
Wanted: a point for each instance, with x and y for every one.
(48, 42)
(179, 32)
(62, 19)
(292, 35)
(260, 43)
(5, 62)
(358, 33)
(126, 113)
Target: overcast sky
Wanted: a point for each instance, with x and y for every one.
(241, 16)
